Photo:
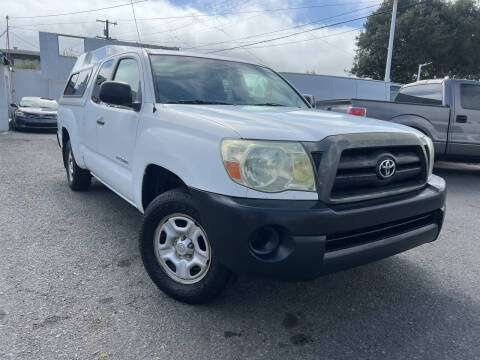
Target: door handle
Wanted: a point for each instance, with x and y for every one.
(462, 119)
(100, 121)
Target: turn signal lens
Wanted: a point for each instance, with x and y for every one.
(233, 169)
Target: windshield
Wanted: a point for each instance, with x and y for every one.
(39, 102)
(192, 80)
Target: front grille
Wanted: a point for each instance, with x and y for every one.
(40, 116)
(366, 235)
(358, 172)
(317, 158)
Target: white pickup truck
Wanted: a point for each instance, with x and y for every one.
(236, 173)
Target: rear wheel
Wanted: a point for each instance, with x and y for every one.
(176, 251)
(78, 178)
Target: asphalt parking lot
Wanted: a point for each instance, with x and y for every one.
(72, 285)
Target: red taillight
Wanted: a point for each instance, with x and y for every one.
(357, 111)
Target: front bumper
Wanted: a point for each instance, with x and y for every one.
(316, 238)
(35, 123)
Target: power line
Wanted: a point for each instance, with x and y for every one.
(198, 46)
(297, 41)
(25, 41)
(290, 35)
(185, 16)
(136, 25)
(305, 40)
(64, 34)
(189, 24)
(185, 25)
(61, 23)
(21, 28)
(290, 28)
(308, 30)
(248, 12)
(78, 12)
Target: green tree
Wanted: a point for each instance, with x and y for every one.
(438, 31)
(29, 64)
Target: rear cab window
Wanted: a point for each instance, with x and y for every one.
(77, 84)
(470, 96)
(427, 94)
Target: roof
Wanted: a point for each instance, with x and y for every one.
(37, 97)
(339, 77)
(93, 57)
(439, 81)
(22, 52)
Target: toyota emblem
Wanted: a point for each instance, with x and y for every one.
(386, 168)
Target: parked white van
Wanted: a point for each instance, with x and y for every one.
(236, 173)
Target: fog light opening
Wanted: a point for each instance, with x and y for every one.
(265, 241)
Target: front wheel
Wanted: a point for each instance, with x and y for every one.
(176, 251)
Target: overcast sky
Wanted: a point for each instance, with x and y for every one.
(209, 26)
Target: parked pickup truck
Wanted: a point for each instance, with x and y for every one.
(236, 173)
(446, 110)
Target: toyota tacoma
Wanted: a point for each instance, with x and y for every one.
(237, 173)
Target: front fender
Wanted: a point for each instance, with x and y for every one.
(188, 148)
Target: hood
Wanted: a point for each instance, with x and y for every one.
(286, 123)
(37, 110)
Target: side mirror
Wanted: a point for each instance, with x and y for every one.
(310, 99)
(14, 105)
(116, 93)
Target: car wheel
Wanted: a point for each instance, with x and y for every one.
(78, 178)
(176, 251)
(13, 126)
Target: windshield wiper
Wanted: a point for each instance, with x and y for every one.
(268, 104)
(199, 102)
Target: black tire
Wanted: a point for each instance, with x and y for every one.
(178, 201)
(78, 179)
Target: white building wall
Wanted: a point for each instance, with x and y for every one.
(27, 82)
(57, 67)
(55, 88)
(4, 98)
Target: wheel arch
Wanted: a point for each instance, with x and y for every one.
(157, 180)
(65, 139)
(417, 122)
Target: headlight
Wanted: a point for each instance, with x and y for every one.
(268, 166)
(431, 154)
(19, 113)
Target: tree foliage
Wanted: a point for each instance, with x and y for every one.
(442, 32)
(29, 64)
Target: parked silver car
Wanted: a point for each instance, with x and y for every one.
(35, 113)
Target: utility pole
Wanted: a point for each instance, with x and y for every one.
(106, 30)
(390, 41)
(8, 41)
